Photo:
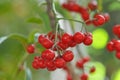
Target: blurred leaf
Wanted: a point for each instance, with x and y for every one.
(116, 75)
(35, 20)
(18, 37)
(28, 74)
(114, 6)
(32, 37)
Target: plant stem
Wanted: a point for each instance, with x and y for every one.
(71, 20)
(51, 14)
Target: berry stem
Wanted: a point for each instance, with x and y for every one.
(70, 20)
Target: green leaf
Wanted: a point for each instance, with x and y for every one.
(32, 36)
(28, 74)
(34, 20)
(18, 37)
(114, 6)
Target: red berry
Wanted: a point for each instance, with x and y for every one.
(92, 4)
(84, 76)
(80, 64)
(35, 65)
(86, 59)
(117, 55)
(48, 54)
(68, 56)
(51, 68)
(62, 46)
(47, 43)
(51, 36)
(69, 77)
(116, 29)
(85, 15)
(41, 39)
(99, 20)
(59, 62)
(88, 40)
(110, 46)
(41, 63)
(66, 38)
(92, 69)
(117, 45)
(72, 44)
(106, 16)
(78, 37)
(30, 49)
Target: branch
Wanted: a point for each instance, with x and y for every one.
(51, 14)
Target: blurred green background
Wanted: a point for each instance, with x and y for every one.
(25, 17)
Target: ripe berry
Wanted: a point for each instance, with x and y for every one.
(117, 45)
(51, 68)
(59, 62)
(84, 76)
(68, 56)
(92, 69)
(41, 39)
(99, 20)
(35, 65)
(66, 38)
(86, 59)
(85, 15)
(41, 63)
(117, 55)
(88, 40)
(78, 37)
(72, 44)
(106, 16)
(69, 77)
(80, 64)
(47, 43)
(30, 49)
(92, 4)
(48, 54)
(116, 29)
(61, 45)
(110, 46)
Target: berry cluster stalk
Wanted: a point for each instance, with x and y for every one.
(53, 19)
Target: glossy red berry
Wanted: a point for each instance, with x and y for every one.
(84, 76)
(106, 16)
(68, 56)
(35, 65)
(92, 4)
(99, 20)
(30, 49)
(41, 63)
(116, 29)
(48, 54)
(50, 65)
(117, 55)
(92, 69)
(47, 43)
(88, 40)
(41, 39)
(117, 45)
(62, 46)
(66, 38)
(85, 15)
(110, 46)
(59, 62)
(78, 37)
(80, 64)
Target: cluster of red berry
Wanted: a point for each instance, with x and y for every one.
(115, 44)
(56, 54)
(80, 64)
(97, 20)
